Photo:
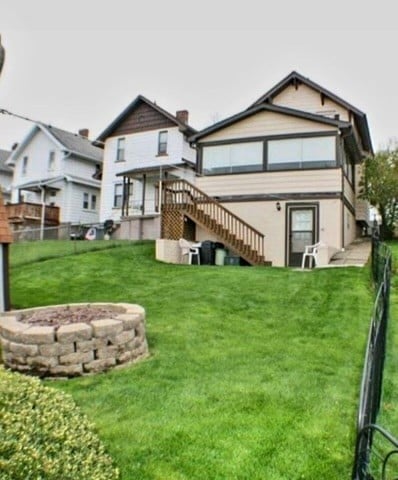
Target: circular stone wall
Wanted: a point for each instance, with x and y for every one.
(77, 348)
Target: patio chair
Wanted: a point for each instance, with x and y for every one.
(191, 249)
(311, 251)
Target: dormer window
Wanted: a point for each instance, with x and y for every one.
(162, 143)
(120, 153)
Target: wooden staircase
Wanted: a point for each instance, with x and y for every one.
(182, 198)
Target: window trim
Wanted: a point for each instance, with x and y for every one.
(86, 199)
(265, 139)
(162, 151)
(121, 150)
(93, 202)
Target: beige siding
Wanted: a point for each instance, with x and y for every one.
(307, 99)
(350, 229)
(349, 192)
(303, 181)
(267, 123)
(272, 223)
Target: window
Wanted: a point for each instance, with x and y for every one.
(236, 157)
(93, 202)
(120, 150)
(85, 201)
(118, 196)
(51, 161)
(162, 143)
(299, 153)
(24, 165)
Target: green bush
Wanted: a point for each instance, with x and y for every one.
(43, 435)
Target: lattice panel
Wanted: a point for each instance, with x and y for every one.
(172, 224)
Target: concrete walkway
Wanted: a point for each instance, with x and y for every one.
(356, 254)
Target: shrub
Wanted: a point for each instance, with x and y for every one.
(45, 436)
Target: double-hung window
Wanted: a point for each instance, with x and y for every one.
(24, 165)
(85, 201)
(162, 143)
(120, 152)
(118, 195)
(51, 161)
(93, 202)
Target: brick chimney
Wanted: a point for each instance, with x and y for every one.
(182, 116)
(83, 132)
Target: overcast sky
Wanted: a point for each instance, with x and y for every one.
(78, 63)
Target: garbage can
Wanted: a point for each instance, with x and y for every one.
(207, 253)
(221, 253)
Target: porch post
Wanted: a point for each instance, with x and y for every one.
(43, 212)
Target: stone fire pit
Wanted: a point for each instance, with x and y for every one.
(73, 340)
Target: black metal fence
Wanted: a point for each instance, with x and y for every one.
(376, 452)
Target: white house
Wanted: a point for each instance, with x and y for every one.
(5, 176)
(57, 168)
(142, 146)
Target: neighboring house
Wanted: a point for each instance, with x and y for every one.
(288, 169)
(56, 168)
(142, 146)
(5, 176)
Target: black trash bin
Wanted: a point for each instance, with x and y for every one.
(207, 252)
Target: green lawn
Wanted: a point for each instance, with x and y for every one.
(254, 372)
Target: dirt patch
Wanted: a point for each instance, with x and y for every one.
(57, 316)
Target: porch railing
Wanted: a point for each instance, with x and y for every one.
(19, 212)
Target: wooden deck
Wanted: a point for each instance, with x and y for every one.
(19, 213)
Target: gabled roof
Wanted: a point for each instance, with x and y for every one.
(130, 108)
(4, 154)
(68, 141)
(270, 108)
(296, 78)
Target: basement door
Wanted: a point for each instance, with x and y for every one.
(302, 231)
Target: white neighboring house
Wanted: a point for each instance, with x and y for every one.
(142, 146)
(5, 176)
(58, 168)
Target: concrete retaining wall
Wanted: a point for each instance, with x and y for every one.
(77, 348)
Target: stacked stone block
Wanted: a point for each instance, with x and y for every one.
(76, 348)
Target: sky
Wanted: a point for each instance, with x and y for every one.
(78, 63)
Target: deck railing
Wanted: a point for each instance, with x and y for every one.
(375, 459)
(32, 211)
(180, 194)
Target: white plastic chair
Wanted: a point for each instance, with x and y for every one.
(311, 251)
(191, 249)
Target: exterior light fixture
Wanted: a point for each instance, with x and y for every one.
(278, 206)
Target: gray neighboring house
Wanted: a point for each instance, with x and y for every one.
(6, 173)
(56, 168)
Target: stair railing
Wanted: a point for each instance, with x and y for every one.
(180, 193)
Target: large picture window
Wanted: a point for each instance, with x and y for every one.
(232, 158)
(299, 153)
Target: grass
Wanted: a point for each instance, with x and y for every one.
(254, 372)
(30, 252)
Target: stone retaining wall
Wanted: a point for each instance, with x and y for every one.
(77, 348)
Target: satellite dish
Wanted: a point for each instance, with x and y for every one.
(2, 55)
